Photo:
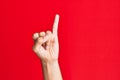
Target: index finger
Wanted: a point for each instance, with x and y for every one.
(55, 25)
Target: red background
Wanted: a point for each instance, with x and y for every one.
(89, 38)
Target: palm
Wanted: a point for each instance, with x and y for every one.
(48, 54)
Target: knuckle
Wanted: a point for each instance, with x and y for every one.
(34, 48)
(42, 33)
(48, 32)
(35, 35)
(40, 40)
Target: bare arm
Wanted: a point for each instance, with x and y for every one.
(52, 71)
(47, 49)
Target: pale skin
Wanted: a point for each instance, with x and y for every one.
(46, 47)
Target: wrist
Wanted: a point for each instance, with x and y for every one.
(51, 70)
(44, 63)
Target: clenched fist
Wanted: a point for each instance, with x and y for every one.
(46, 44)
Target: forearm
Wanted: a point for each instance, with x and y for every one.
(51, 71)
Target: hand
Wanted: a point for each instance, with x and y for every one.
(46, 44)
